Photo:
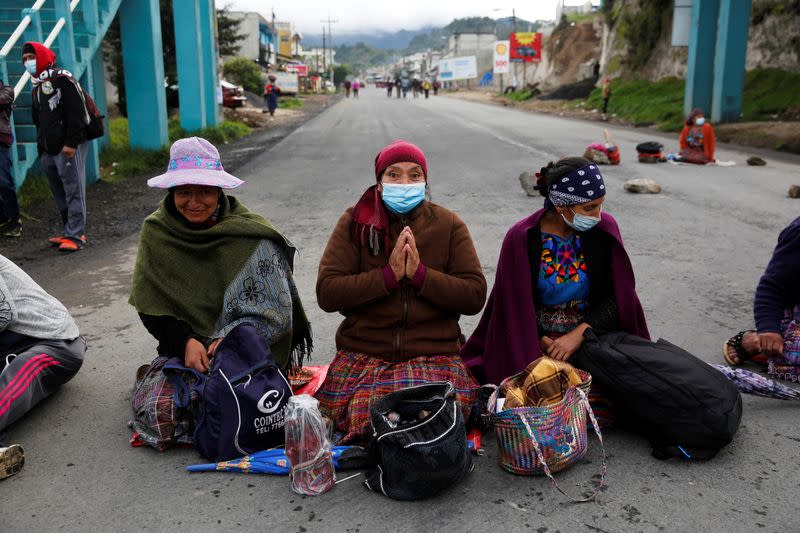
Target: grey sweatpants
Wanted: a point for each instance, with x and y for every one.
(67, 177)
(32, 375)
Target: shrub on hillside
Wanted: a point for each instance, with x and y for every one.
(244, 72)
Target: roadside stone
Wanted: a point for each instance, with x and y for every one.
(794, 191)
(528, 180)
(756, 161)
(642, 185)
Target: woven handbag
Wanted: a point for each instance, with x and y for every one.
(542, 440)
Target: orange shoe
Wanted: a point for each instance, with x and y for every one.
(58, 239)
(68, 245)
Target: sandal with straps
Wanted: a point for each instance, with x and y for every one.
(735, 342)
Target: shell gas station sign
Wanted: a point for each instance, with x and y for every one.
(501, 57)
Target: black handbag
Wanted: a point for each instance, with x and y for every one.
(420, 446)
(686, 407)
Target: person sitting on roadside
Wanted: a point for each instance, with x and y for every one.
(207, 264)
(40, 350)
(561, 271)
(697, 140)
(776, 339)
(401, 270)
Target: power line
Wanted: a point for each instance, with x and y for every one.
(330, 41)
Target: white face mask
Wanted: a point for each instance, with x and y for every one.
(700, 121)
(30, 66)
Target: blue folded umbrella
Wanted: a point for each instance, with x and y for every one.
(272, 462)
(751, 383)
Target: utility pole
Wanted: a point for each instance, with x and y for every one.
(324, 52)
(330, 42)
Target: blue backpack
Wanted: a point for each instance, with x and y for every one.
(242, 398)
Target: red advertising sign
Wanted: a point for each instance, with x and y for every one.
(526, 47)
(301, 70)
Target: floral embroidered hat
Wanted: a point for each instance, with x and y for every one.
(194, 161)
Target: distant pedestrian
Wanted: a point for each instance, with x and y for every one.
(347, 86)
(606, 95)
(406, 86)
(436, 86)
(426, 86)
(60, 116)
(415, 87)
(10, 225)
(389, 86)
(271, 93)
(356, 86)
(398, 85)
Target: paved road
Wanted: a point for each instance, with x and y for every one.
(697, 249)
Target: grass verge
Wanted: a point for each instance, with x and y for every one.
(290, 103)
(519, 96)
(769, 94)
(119, 160)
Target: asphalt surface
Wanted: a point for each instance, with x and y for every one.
(698, 250)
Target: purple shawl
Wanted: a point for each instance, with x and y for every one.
(506, 338)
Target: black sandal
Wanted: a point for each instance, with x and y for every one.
(735, 342)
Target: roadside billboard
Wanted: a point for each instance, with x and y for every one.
(526, 47)
(458, 68)
(287, 81)
(300, 69)
(501, 56)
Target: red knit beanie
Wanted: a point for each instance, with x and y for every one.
(399, 152)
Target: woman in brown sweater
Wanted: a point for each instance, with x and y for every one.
(401, 270)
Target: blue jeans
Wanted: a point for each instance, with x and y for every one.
(8, 193)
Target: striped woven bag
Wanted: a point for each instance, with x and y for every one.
(541, 440)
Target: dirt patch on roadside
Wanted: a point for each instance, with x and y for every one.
(783, 136)
(116, 210)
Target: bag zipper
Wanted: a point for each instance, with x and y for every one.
(238, 413)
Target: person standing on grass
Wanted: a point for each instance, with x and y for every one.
(60, 116)
(606, 95)
(10, 225)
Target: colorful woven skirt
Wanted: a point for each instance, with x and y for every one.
(356, 380)
(788, 366)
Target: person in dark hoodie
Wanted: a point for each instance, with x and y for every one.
(60, 116)
(776, 309)
(10, 225)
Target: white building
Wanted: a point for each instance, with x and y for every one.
(582, 9)
(257, 42)
(317, 58)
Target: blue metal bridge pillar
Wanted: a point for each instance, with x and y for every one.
(210, 53)
(191, 63)
(700, 67)
(142, 57)
(729, 61)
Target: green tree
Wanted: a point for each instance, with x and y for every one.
(246, 73)
(340, 72)
(229, 32)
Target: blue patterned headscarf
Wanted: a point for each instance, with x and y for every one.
(578, 187)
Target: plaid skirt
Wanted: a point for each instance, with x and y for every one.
(788, 366)
(356, 380)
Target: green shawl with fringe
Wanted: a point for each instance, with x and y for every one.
(183, 272)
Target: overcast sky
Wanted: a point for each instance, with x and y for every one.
(364, 15)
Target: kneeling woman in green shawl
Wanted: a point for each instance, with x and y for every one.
(207, 264)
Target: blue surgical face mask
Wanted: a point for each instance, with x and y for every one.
(700, 121)
(581, 222)
(401, 199)
(30, 66)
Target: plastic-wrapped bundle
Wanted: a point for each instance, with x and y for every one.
(307, 447)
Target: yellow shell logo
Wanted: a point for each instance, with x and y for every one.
(501, 49)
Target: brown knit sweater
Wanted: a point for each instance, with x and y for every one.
(401, 323)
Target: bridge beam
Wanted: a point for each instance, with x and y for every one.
(700, 66)
(143, 60)
(210, 52)
(729, 60)
(191, 63)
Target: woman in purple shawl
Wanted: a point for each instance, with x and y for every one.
(561, 271)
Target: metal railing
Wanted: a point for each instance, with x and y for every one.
(23, 25)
